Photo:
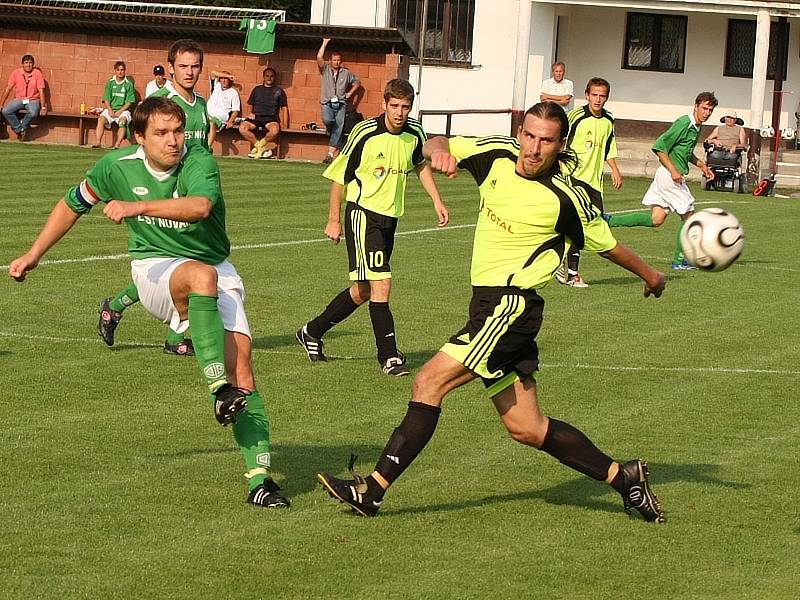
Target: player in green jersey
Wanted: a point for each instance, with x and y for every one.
(529, 213)
(185, 58)
(668, 192)
(171, 200)
(372, 170)
(119, 96)
(591, 138)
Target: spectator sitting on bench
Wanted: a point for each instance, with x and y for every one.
(118, 97)
(29, 95)
(224, 105)
(268, 111)
(158, 82)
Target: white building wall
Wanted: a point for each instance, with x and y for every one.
(356, 13)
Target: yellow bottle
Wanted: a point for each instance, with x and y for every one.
(83, 108)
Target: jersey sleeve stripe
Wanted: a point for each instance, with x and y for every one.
(86, 195)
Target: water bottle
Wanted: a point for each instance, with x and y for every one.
(83, 108)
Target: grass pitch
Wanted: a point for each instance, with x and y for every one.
(118, 483)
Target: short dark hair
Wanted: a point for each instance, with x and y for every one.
(597, 82)
(155, 105)
(118, 64)
(398, 88)
(274, 72)
(337, 53)
(184, 45)
(28, 57)
(706, 97)
(550, 111)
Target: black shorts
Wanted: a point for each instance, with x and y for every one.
(370, 240)
(262, 122)
(498, 343)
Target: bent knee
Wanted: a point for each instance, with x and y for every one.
(658, 219)
(530, 436)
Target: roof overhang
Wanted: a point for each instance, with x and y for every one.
(736, 7)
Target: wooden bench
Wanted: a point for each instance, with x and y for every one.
(82, 121)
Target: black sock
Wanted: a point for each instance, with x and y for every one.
(572, 448)
(618, 483)
(573, 258)
(383, 328)
(341, 307)
(408, 440)
(374, 489)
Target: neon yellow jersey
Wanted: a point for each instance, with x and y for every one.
(525, 225)
(374, 164)
(593, 141)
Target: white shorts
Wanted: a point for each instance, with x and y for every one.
(667, 194)
(152, 275)
(123, 115)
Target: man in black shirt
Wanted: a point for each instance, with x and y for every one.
(269, 113)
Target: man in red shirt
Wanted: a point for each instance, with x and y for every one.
(29, 90)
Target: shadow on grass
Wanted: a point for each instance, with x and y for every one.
(272, 342)
(585, 493)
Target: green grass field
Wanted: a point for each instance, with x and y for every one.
(118, 483)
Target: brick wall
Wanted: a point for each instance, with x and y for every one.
(77, 66)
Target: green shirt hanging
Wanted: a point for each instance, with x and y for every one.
(260, 37)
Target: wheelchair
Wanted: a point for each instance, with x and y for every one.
(728, 173)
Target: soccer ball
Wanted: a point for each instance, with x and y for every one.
(712, 239)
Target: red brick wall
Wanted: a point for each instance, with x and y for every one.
(77, 66)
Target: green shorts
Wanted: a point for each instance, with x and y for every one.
(370, 241)
(498, 343)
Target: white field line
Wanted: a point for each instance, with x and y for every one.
(299, 353)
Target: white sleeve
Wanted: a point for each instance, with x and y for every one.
(568, 88)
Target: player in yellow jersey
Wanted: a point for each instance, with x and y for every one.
(529, 213)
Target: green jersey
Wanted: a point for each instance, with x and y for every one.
(125, 175)
(679, 141)
(374, 164)
(197, 123)
(593, 141)
(118, 94)
(524, 225)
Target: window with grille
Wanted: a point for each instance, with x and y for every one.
(448, 29)
(655, 42)
(741, 47)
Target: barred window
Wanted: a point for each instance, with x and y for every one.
(741, 47)
(655, 42)
(448, 29)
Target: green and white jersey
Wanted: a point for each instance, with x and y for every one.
(125, 175)
(679, 141)
(374, 164)
(593, 141)
(197, 123)
(118, 94)
(525, 225)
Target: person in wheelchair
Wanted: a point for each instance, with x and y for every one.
(727, 141)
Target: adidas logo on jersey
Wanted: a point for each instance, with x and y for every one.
(380, 155)
(493, 183)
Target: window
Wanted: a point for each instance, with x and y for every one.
(448, 30)
(655, 42)
(741, 47)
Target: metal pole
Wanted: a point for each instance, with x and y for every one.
(521, 65)
(421, 51)
(757, 96)
(777, 97)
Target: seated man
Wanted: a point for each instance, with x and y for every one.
(729, 139)
(224, 104)
(118, 97)
(29, 95)
(269, 112)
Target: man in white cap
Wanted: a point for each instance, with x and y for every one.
(728, 139)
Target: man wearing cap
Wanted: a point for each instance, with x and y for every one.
(224, 104)
(159, 82)
(729, 139)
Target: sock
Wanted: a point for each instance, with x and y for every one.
(127, 297)
(173, 337)
(637, 219)
(618, 483)
(341, 307)
(251, 432)
(383, 327)
(408, 440)
(208, 336)
(677, 255)
(573, 259)
(374, 489)
(572, 448)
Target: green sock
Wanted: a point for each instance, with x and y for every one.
(173, 337)
(637, 219)
(208, 336)
(127, 297)
(251, 432)
(677, 256)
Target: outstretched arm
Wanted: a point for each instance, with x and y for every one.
(321, 53)
(188, 209)
(425, 175)
(437, 151)
(60, 221)
(654, 281)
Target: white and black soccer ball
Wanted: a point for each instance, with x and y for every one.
(712, 239)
